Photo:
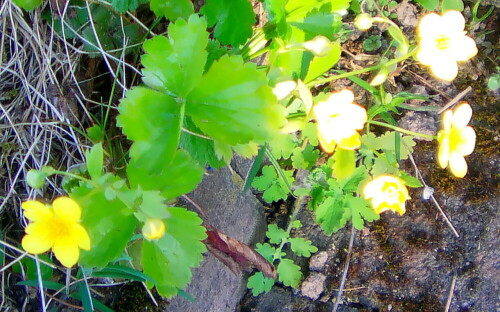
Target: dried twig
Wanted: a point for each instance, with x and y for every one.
(346, 269)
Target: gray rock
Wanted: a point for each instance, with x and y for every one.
(313, 286)
(214, 286)
(318, 261)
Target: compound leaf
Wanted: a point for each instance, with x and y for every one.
(150, 119)
(360, 209)
(176, 63)
(169, 259)
(331, 215)
(266, 250)
(233, 103)
(100, 218)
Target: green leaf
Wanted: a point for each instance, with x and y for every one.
(172, 9)
(452, 5)
(360, 209)
(332, 215)
(176, 64)
(302, 247)
(201, 149)
(30, 269)
(289, 273)
(119, 271)
(410, 181)
(254, 169)
(153, 205)
(110, 225)
(95, 133)
(84, 296)
(398, 36)
(169, 259)
(275, 234)
(46, 284)
(306, 158)
(266, 250)
(179, 176)
(123, 6)
(311, 133)
(345, 163)
(28, 5)
(282, 145)
(151, 120)
(276, 14)
(320, 65)
(320, 22)
(274, 187)
(233, 103)
(430, 5)
(259, 284)
(307, 5)
(94, 160)
(233, 20)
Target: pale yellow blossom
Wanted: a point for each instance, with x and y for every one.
(55, 227)
(339, 120)
(153, 229)
(387, 192)
(443, 43)
(456, 139)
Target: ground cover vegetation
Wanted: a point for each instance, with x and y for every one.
(187, 86)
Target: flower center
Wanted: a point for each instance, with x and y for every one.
(456, 138)
(442, 42)
(59, 227)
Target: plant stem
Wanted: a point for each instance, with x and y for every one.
(363, 70)
(383, 124)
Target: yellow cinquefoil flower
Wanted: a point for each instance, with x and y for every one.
(55, 227)
(456, 139)
(338, 121)
(153, 229)
(387, 193)
(443, 43)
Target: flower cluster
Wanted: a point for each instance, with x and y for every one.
(55, 227)
(443, 43)
(387, 192)
(456, 139)
(339, 120)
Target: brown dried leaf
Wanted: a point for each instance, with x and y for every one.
(235, 254)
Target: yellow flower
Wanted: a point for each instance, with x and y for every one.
(456, 139)
(338, 121)
(387, 193)
(153, 229)
(55, 227)
(443, 43)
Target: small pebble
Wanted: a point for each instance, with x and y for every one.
(313, 286)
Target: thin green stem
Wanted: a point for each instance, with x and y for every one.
(396, 128)
(75, 176)
(363, 70)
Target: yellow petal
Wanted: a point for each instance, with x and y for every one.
(464, 48)
(153, 229)
(67, 209)
(327, 147)
(427, 26)
(350, 143)
(35, 244)
(446, 119)
(445, 70)
(80, 236)
(443, 149)
(458, 165)
(66, 251)
(36, 211)
(461, 115)
(453, 21)
(468, 142)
